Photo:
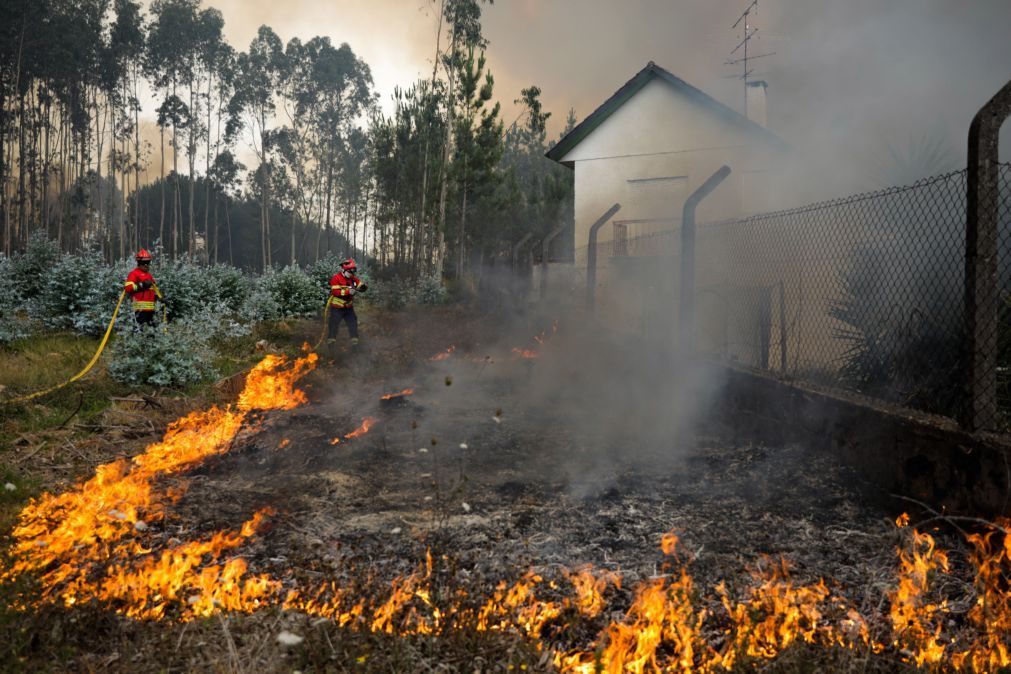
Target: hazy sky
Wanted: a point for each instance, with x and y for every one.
(846, 73)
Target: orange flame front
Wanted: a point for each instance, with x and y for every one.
(89, 543)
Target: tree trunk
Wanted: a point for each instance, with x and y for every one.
(175, 187)
(161, 222)
(440, 248)
(207, 171)
(136, 159)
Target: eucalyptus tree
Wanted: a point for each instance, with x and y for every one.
(224, 173)
(463, 20)
(125, 47)
(341, 94)
(224, 70)
(170, 46)
(258, 80)
(204, 47)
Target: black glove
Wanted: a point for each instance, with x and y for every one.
(144, 285)
(362, 288)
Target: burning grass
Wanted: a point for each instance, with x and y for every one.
(93, 549)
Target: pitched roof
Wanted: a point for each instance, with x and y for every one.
(632, 87)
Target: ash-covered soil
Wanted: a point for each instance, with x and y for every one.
(587, 454)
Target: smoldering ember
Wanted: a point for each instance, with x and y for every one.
(460, 336)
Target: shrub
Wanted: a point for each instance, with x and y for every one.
(178, 354)
(294, 292)
(31, 270)
(184, 285)
(430, 290)
(13, 324)
(100, 300)
(226, 285)
(68, 289)
(324, 270)
(395, 293)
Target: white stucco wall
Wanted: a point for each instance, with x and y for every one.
(653, 152)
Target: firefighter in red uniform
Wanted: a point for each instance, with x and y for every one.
(141, 288)
(343, 287)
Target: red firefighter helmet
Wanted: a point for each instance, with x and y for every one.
(349, 265)
(143, 255)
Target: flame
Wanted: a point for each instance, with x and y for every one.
(87, 543)
(526, 354)
(367, 424)
(401, 394)
(916, 622)
(669, 543)
(445, 355)
(991, 614)
(90, 544)
(590, 586)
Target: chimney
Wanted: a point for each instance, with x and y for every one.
(756, 101)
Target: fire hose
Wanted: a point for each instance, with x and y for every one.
(91, 363)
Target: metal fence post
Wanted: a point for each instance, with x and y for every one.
(545, 248)
(591, 255)
(686, 316)
(981, 253)
(517, 247)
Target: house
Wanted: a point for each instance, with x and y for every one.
(648, 147)
(655, 141)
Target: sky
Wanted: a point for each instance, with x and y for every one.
(847, 76)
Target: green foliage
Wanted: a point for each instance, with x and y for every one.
(67, 290)
(13, 324)
(294, 293)
(395, 293)
(430, 290)
(99, 300)
(228, 285)
(32, 269)
(324, 270)
(176, 355)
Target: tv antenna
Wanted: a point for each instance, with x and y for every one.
(742, 47)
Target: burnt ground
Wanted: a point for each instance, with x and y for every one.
(476, 462)
(499, 465)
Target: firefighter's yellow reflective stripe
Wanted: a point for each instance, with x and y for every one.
(143, 306)
(340, 302)
(131, 287)
(91, 363)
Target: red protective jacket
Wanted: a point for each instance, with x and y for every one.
(340, 290)
(143, 300)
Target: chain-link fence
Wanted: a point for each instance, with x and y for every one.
(865, 293)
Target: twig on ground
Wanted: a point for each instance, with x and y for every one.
(951, 519)
(32, 453)
(232, 652)
(80, 403)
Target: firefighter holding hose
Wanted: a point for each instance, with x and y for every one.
(143, 290)
(343, 287)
